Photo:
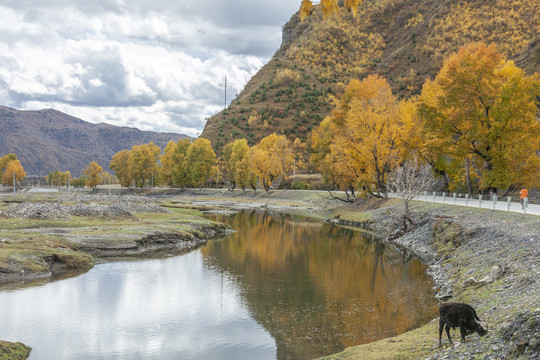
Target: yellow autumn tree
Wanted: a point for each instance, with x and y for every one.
(305, 9)
(168, 163)
(201, 159)
(360, 140)
(264, 166)
(4, 161)
(280, 152)
(180, 168)
(352, 6)
(12, 170)
(481, 110)
(143, 163)
(93, 172)
(121, 165)
(329, 7)
(234, 155)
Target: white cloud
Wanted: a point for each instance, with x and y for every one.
(155, 65)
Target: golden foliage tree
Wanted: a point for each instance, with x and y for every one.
(329, 7)
(93, 172)
(168, 163)
(357, 146)
(481, 110)
(352, 6)
(235, 155)
(180, 168)
(305, 9)
(201, 159)
(13, 169)
(263, 166)
(5, 160)
(121, 165)
(143, 163)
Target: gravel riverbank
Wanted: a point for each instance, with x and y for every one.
(489, 259)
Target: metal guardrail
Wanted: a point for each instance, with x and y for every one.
(492, 202)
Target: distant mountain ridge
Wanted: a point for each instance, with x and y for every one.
(48, 140)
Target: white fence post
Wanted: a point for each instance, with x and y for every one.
(466, 199)
(525, 203)
(494, 201)
(434, 194)
(443, 197)
(480, 200)
(425, 196)
(454, 198)
(509, 200)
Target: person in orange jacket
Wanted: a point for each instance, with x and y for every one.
(522, 195)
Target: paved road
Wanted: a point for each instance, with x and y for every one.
(501, 204)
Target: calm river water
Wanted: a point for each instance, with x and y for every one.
(283, 287)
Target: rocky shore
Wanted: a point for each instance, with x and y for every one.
(488, 259)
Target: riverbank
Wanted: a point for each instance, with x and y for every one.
(489, 259)
(485, 258)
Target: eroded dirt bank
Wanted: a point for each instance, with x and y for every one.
(45, 235)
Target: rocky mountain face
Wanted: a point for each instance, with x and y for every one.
(48, 140)
(406, 41)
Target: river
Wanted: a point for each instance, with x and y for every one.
(282, 286)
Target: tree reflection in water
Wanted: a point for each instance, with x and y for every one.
(318, 288)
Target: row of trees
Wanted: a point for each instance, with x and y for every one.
(194, 164)
(475, 125)
(275, 156)
(182, 164)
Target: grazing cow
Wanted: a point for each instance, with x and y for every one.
(453, 315)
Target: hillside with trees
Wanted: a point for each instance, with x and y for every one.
(403, 41)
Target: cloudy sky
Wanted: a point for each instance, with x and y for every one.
(151, 64)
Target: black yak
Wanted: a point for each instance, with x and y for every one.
(463, 316)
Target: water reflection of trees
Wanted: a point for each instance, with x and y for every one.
(318, 288)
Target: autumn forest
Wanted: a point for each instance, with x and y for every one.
(474, 123)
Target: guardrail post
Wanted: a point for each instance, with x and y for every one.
(480, 200)
(443, 197)
(494, 201)
(466, 199)
(454, 198)
(525, 203)
(509, 200)
(434, 194)
(425, 196)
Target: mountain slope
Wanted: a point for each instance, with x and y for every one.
(48, 140)
(405, 41)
